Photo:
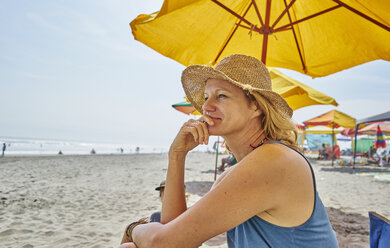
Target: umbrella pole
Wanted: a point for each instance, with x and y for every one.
(332, 144)
(265, 34)
(303, 138)
(354, 146)
(216, 160)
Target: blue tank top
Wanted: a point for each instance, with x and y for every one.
(315, 232)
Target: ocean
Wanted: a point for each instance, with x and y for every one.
(34, 146)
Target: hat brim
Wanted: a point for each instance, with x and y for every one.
(159, 188)
(194, 81)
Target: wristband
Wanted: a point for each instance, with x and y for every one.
(130, 228)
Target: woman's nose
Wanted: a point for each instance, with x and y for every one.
(208, 105)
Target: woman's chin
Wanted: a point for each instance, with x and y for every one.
(214, 132)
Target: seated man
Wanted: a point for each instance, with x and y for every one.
(156, 216)
(321, 152)
(228, 161)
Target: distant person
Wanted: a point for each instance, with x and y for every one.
(137, 149)
(321, 151)
(4, 147)
(60, 152)
(121, 149)
(328, 153)
(228, 161)
(372, 151)
(156, 216)
(93, 151)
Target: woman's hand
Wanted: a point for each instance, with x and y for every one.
(128, 245)
(125, 239)
(192, 134)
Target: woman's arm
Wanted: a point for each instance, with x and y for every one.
(258, 183)
(174, 202)
(190, 135)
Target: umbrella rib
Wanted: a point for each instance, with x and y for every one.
(231, 35)
(282, 28)
(283, 13)
(296, 41)
(232, 12)
(258, 12)
(363, 15)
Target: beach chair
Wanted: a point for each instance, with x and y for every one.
(379, 231)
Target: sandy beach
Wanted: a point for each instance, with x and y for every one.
(87, 200)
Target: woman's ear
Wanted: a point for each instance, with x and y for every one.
(257, 111)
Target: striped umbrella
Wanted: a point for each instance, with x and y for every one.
(186, 108)
(379, 140)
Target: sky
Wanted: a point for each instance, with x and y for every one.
(72, 70)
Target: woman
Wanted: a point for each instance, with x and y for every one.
(269, 197)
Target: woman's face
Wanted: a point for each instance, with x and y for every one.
(228, 106)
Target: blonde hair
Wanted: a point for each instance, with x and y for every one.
(276, 125)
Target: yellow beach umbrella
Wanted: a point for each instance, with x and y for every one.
(297, 94)
(317, 37)
(333, 119)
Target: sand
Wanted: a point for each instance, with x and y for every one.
(87, 200)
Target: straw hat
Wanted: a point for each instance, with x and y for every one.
(244, 71)
(162, 186)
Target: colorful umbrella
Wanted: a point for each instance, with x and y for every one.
(317, 38)
(372, 128)
(186, 108)
(379, 140)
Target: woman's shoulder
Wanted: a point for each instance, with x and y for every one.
(276, 151)
(278, 158)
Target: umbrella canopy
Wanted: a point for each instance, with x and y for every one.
(317, 38)
(323, 130)
(186, 108)
(379, 140)
(332, 119)
(376, 118)
(372, 128)
(299, 126)
(297, 94)
(349, 132)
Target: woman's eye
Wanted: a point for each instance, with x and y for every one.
(205, 98)
(221, 96)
